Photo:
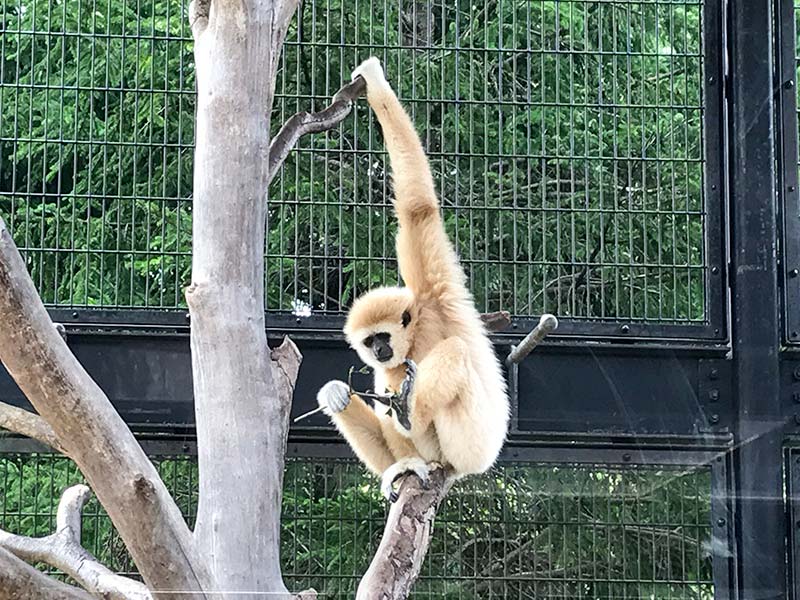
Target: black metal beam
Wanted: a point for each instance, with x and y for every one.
(760, 531)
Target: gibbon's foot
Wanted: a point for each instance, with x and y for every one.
(333, 397)
(402, 403)
(412, 464)
(372, 72)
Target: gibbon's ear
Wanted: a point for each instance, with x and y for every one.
(406, 318)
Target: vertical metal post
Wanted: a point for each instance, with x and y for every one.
(760, 524)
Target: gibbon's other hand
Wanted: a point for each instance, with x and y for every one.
(333, 397)
(372, 72)
(402, 404)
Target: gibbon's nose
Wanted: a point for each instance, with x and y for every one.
(382, 350)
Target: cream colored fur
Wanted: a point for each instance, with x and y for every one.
(459, 407)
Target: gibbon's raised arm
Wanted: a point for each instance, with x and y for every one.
(427, 260)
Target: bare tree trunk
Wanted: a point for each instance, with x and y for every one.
(242, 391)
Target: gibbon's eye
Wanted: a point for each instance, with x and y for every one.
(406, 318)
(368, 341)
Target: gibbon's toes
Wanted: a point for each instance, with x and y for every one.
(334, 397)
(371, 71)
(405, 465)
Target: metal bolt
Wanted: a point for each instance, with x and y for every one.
(625, 329)
(514, 325)
(626, 457)
(721, 522)
(713, 395)
(715, 270)
(713, 374)
(716, 331)
(714, 419)
(75, 315)
(711, 80)
(789, 84)
(187, 316)
(793, 334)
(713, 186)
(794, 273)
(792, 188)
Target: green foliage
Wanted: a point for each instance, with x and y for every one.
(529, 531)
(566, 139)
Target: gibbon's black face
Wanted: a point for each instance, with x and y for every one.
(380, 343)
(381, 346)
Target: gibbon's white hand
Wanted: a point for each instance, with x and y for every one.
(372, 72)
(333, 397)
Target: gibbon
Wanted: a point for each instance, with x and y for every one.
(426, 341)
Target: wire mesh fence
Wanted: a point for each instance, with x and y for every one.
(566, 138)
(521, 531)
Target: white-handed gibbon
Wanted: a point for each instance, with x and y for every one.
(426, 342)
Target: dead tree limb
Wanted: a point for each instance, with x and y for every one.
(406, 538)
(19, 580)
(92, 433)
(63, 551)
(547, 325)
(242, 390)
(304, 122)
(30, 425)
(496, 321)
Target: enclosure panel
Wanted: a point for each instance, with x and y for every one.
(576, 146)
(569, 391)
(589, 392)
(788, 57)
(525, 530)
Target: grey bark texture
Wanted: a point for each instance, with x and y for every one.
(242, 390)
(93, 434)
(406, 537)
(20, 581)
(30, 425)
(63, 551)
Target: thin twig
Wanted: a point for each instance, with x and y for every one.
(547, 324)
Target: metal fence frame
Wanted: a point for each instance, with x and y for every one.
(725, 393)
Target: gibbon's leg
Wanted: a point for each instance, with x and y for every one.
(440, 379)
(359, 425)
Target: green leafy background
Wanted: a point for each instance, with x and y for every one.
(566, 140)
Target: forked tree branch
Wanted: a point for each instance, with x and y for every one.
(19, 580)
(30, 425)
(406, 538)
(63, 551)
(92, 433)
